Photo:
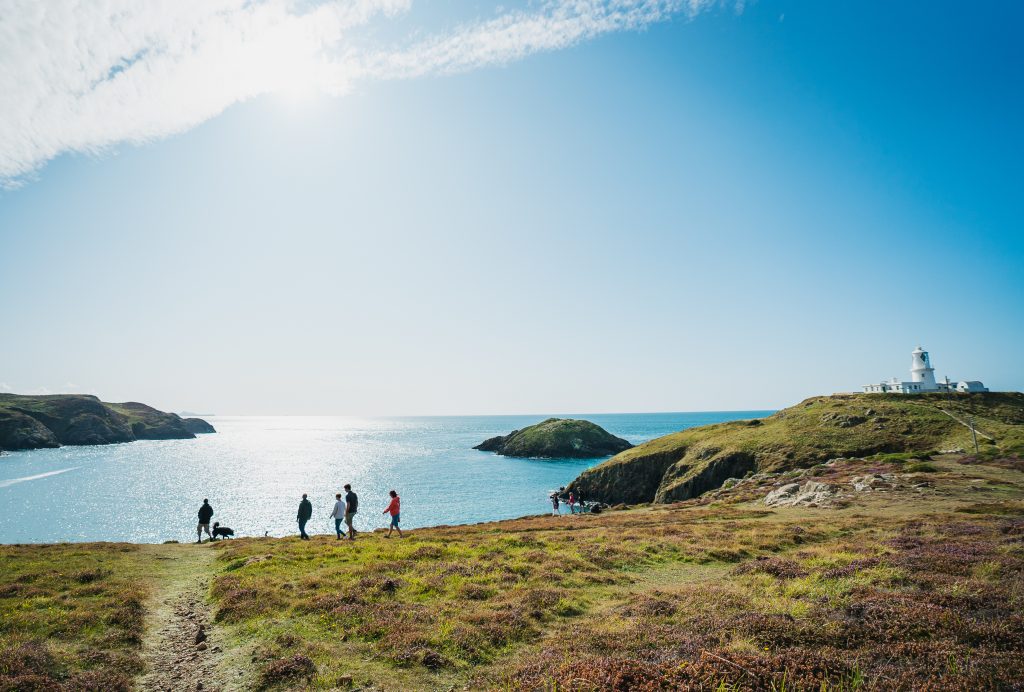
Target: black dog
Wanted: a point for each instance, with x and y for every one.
(222, 531)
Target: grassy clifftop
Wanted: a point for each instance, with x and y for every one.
(33, 422)
(691, 462)
(917, 584)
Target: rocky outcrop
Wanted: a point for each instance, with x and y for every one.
(197, 426)
(684, 481)
(689, 463)
(33, 422)
(629, 483)
(18, 431)
(148, 423)
(810, 494)
(557, 438)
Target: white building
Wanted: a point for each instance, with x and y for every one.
(922, 379)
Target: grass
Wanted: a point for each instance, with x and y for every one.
(71, 615)
(891, 427)
(903, 589)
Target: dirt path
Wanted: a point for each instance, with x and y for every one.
(181, 648)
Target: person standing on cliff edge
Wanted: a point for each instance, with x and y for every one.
(394, 509)
(205, 514)
(305, 512)
(337, 514)
(351, 507)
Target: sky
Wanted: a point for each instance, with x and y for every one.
(393, 207)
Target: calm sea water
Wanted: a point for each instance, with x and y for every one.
(255, 469)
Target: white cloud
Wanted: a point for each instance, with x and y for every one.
(81, 76)
(4, 387)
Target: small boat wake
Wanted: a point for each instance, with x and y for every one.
(13, 481)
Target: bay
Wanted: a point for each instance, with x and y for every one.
(255, 469)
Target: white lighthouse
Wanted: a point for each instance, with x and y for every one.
(922, 379)
(921, 370)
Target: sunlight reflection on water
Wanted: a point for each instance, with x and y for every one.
(255, 469)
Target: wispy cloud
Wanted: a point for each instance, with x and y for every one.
(84, 76)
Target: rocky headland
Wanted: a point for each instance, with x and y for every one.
(35, 422)
(686, 464)
(557, 438)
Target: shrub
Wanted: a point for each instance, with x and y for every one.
(295, 667)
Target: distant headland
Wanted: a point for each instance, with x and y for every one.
(53, 420)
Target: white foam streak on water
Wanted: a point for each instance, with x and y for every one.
(12, 481)
(255, 469)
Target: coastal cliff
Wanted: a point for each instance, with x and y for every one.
(687, 464)
(557, 438)
(35, 422)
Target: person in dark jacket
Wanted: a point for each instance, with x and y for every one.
(305, 512)
(351, 507)
(205, 514)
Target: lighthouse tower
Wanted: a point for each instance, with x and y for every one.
(921, 370)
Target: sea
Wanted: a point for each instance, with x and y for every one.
(255, 469)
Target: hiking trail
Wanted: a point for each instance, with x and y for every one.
(180, 648)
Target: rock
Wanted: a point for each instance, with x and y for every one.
(810, 494)
(197, 426)
(730, 482)
(21, 431)
(871, 482)
(557, 438)
(344, 681)
(201, 647)
(785, 492)
(200, 635)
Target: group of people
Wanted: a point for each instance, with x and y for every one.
(571, 500)
(345, 510)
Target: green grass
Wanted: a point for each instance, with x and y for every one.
(71, 615)
(892, 427)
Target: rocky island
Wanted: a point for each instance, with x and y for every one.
(34, 422)
(687, 464)
(557, 438)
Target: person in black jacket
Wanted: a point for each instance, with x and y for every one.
(351, 507)
(305, 512)
(205, 514)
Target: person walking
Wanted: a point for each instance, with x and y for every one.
(554, 504)
(305, 512)
(572, 502)
(338, 514)
(394, 509)
(205, 514)
(351, 507)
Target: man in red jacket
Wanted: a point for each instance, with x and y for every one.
(394, 509)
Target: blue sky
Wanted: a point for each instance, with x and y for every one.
(731, 210)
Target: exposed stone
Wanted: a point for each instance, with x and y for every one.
(809, 494)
